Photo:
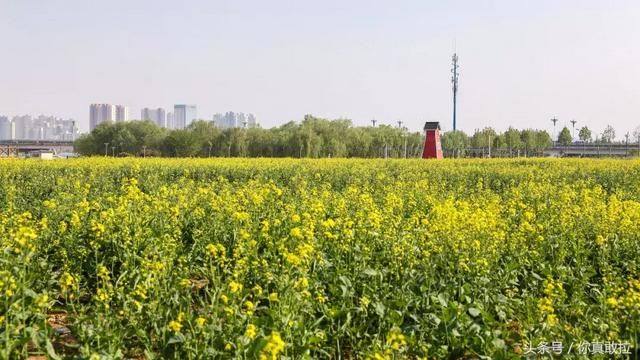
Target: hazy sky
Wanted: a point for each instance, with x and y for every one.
(522, 62)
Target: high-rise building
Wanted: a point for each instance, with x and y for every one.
(7, 129)
(23, 126)
(170, 121)
(99, 113)
(184, 115)
(158, 116)
(251, 121)
(234, 120)
(122, 113)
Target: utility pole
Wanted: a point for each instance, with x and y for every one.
(106, 147)
(373, 122)
(406, 133)
(626, 150)
(573, 126)
(400, 128)
(555, 138)
(454, 82)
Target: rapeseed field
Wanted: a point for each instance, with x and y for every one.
(289, 259)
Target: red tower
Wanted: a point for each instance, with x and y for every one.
(432, 148)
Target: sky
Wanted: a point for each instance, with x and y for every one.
(522, 62)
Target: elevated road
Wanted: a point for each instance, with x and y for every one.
(15, 148)
(593, 150)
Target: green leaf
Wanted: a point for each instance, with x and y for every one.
(370, 272)
(379, 308)
(442, 299)
(498, 343)
(178, 338)
(474, 312)
(51, 351)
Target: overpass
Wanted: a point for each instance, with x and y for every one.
(15, 148)
(593, 150)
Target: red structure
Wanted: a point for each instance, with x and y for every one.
(432, 147)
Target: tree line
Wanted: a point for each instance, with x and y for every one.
(313, 137)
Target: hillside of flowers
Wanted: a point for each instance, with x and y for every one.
(290, 259)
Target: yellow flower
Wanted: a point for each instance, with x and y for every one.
(257, 289)
(251, 331)
(293, 259)
(228, 347)
(249, 307)
(97, 228)
(364, 302)
(103, 273)
(275, 345)
(235, 287)
(296, 232)
(321, 299)
(396, 340)
(67, 282)
(175, 326)
(42, 301)
(200, 321)
(273, 296)
(224, 299)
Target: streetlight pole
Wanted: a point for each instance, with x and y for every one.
(573, 126)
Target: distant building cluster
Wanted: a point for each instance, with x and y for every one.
(99, 113)
(181, 117)
(42, 127)
(158, 116)
(234, 120)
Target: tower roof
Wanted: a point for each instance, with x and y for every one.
(432, 125)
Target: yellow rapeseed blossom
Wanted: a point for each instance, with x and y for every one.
(200, 321)
(251, 331)
(275, 345)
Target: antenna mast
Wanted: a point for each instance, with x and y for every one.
(454, 81)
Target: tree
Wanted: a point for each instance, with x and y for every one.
(512, 137)
(180, 143)
(609, 134)
(528, 138)
(584, 134)
(542, 141)
(565, 136)
(454, 142)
